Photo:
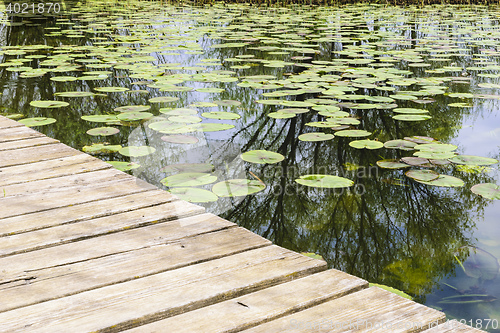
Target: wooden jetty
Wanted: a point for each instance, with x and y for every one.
(86, 248)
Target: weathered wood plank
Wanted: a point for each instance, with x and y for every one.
(44, 186)
(362, 311)
(6, 123)
(56, 282)
(49, 169)
(124, 241)
(18, 134)
(27, 143)
(165, 294)
(262, 306)
(14, 206)
(80, 212)
(73, 232)
(454, 326)
(35, 154)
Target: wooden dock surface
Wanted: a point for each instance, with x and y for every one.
(86, 248)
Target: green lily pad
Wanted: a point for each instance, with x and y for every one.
(210, 90)
(317, 136)
(400, 144)
(473, 160)
(101, 118)
(37, 121)
(75, 94)
(435, 155)
(132, 108)
(124, 166)
(203, 105)
(193, 194)
(436, 147)
(409, 110)
(221, 115)
(178, 111)
(445, 181)
(188, 167)
(136, 151)
(353, 133)
(111, 89)
(237, 187)
(293, 110)
(416, 161)
(421, 139)
(262, 157)
(422, 175)
(99, 148)
(180, 139)
(411, 117)
(391, 164)
(134, 116)
(188, 179)
(228, 102)
(63, 78)
(208, 127)
(487, 190)
(281, 115)
(324, 181)
(163, 99)
(366, 144)
(48, 104)
(103, 131)
(185, 119)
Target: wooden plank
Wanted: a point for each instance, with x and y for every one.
(368, 310)
(27, 143)
(158, 296)
(18, 134)
(52, 168)
(64, 182)
(35, 154)
(15, 206)
(56, 282)
(80, 212)
(262, 306)
(124, 241)
(454, 326)
(73, 232)
(7, 123)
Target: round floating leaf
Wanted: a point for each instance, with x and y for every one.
(237, 187)
(188, 179)
(262, 157)
(63, 78)
(208, 127)
(436, 147)
(227, 102)
(75, 94)
(210, 90)
(417, 161)
(185, 119)
(422, 175)
(281, 115)
(317, 136)
(434, 155)
(101, 118)
(194, 194)
(294, 110)
(353, 133)
(37, 121)
(136, 151)
(391, 164)
(103, 131)
(180, 139)
(134, 116)
(166, 126)
(445, 181)
(132, 108)
(188, 167)
(163, 99)
(411, 117)
(124, 166)
(409, 110)
(178, 111)
(487, 190)
(48, 104)
(324, 181)
(202, 105)
(221, 115)
(473, 160)
(366, 144)
(399, 144)
(98, 148)
(111, 89)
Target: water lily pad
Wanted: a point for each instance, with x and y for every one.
(487, 190)
(324, 181)
(111, 89)
(411, 117)
(193, 194)
(473, 160)
(366, 144)
(136, 151)
(434, 155)
(221, 115)
(124, 166)
(180, 139)
(178, 111)
(101, 118)
(422, 175)
(37, 121)
(99, 148)
(188, 167)
(228, 102)
(262, 157)
(63, 78)
(134, 116)
(317, 136)
(353, 133)
(445, 181)
(281, 115)
(103, 131)
(132, 108)
(237, 187)
(203, 105)
(163, 99)
(416, 161)
(48, 104)
(188, 179)
(421, 139)
(185, 119)
(436, 147)
(400, 144)
(75, 94)
(208, 127)
(210, 90)
(409, 110)
(391, 164)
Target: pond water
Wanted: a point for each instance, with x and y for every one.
(277, 118)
